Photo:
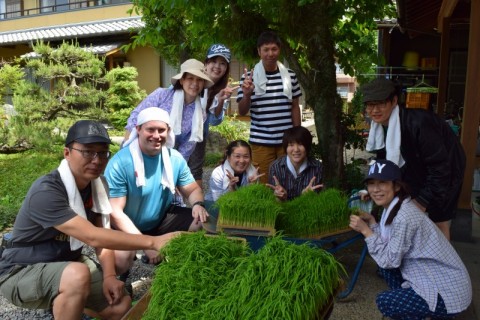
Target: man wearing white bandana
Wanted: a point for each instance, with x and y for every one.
(270, 92)
(42, 266)
(143, 177)
(426, 149)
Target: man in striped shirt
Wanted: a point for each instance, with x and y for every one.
(271, 93)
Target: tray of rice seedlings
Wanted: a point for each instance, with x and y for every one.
(194, 268)
(315, 215)
(251, 210)
(216, 278)
(282, 280)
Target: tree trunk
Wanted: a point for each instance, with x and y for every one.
(320, 88)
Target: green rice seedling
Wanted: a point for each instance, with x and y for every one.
(312, 214)
(250, 206)
(216, 278)
(281, 281)
(195, 267)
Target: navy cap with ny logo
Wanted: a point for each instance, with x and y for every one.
(384, 170)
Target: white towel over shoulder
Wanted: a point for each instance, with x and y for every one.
(101, 204)
(377, 141)
(260, 79)
(176, 115)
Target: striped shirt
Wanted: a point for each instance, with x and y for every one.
(271, 113)
(294, 186)
(428, 262)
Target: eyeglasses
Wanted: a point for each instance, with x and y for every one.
(89, 154)
(379, 105)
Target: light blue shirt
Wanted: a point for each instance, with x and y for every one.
(146, 205)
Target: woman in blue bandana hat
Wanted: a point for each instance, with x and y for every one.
(425, 275)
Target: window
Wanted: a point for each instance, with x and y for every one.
(13, 8)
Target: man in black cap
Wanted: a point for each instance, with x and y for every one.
(42, 266)
(430, 156)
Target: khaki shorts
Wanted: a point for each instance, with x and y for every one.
(36, 286)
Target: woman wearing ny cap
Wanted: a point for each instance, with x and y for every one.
(425, 275)
(430, 156)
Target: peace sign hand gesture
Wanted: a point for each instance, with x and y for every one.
(254, 178)
(278, 190)
(311, 187)
(247, 84)
(232, 185)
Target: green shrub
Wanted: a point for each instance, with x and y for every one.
(18, 172)
(213, 159)
(232, 129)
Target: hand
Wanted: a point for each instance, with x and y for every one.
(199, 214)
(232, 185)
(226, 93)
(247, 84)
(367, 217)
(153, 256)
(161, 241)
(254, 178)
(364, 196)
(359, 225)
(113, 289)
(278, 190)
(311, 187)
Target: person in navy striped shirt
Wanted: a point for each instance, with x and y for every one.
(270, 92)
(295, 173)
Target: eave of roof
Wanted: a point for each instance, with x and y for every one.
(69, 31)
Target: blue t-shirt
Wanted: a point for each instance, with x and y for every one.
(146, 205)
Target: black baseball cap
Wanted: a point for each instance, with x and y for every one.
(87, 131)
(377, 90)
(384, 170)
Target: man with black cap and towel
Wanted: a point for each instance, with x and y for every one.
(42, 266)
(430, 155)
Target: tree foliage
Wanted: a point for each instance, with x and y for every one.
(123, 94)
(315, 34)
(62, 85)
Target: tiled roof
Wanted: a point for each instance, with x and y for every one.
(96, 49)
(69, 31)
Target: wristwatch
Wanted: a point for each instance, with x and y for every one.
(198, 203)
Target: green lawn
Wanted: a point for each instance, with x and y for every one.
(18, 172)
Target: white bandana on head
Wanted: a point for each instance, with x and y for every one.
(146, 115)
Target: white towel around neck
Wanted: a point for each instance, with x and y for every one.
(139, 165)
(385, 230)
(146, 115)
(101, 204)
(251, 171)
(260, 79)
(176, 115)
(376, 138)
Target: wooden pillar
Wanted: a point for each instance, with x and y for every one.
(443, 67)
(471, 110)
